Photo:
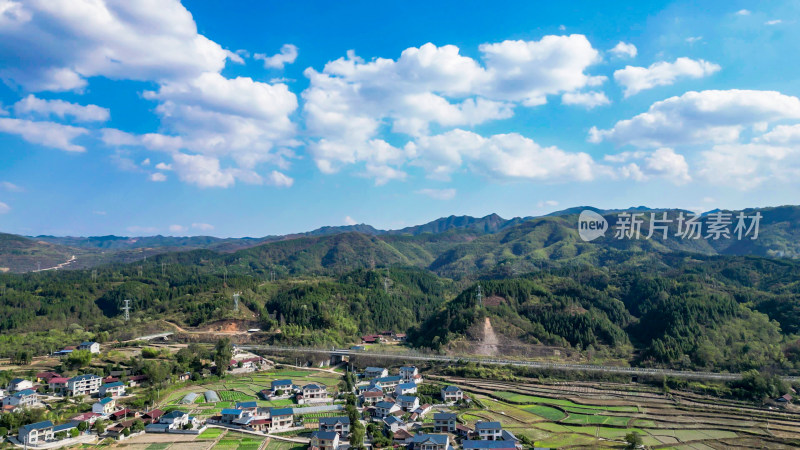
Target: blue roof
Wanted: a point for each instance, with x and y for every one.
(407, 386)
(374, 369)
(173, 414)
(384, 404)
(24, 392)
(84, 343)
(388, 379)
(36, 426)
(232, 412)
(282, 383)
(392, 420)
(451, 388)
(488, 444)
(439, 439)
(246, 404)
(105, 400)
(17, 380)
(114, 384)
(406, 398)
(86, 376)
(333, 420)
(65, 426)
(312, 386)
(488, 426)
(281, 412)
(444, 416)
(326, 435)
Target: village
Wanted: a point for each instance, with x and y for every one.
(328, 409)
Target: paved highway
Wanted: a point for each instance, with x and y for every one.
(533, 364)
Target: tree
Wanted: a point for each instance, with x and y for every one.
(22, 358)
(633, 439)
(126, 431)
(3, 431)
(223, 353)
(74, 432)
(100, 427)
(83, 426)
(79, 358)
(137, 426)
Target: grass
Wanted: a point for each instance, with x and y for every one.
(566, 404)
(595, 419)
(158, 446)
(209, 433)
(282, 445)
(546, 412)
(234, 396)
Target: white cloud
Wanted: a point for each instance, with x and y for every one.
(693, 39)
(4, 208)
(64, 42)
(349, 221)
(99, 213)
(48, 134)
(501, 156)
(163, 166)
(668, 164)
(623, 49)
(547, 203)
(348, 102)
(202, 171)
(158, 177)
(31, 105)
(745, 166)
(700, 118)
(743, 12)
(438, 194)
(202, 226)
(279, 179)
(588, 99)
(782, 135)
(637, 79)
(287, 55)
(177, 228)
(11, 187)
(773, 22)
(146, 162)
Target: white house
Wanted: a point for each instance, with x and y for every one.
(176, 420)
(93, 347)
(36, 433)
(115, 389)
(105, 406)
(431, 442)
(489, 431)
(383, 409)
(19, 384)
(452, 394)
(408, 402)
(405, 388)
(387, 382)
(313, 393)
(85, 384)
(408, 373)
(339, 425)
(282, 418)
(24, 398)
(375, 372)
(444, 422)
(324, 440)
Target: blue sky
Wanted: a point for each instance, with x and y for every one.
(161, 117)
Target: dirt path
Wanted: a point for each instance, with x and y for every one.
(488, 345)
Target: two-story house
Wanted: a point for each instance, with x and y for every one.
(405, 389)
(488, 445)
(408, 402)
(228, 415)
(444, 422)
(248, 407)
(452, 394)
(22, 399)
(85, 384)
(284, 387)
(104, 406)
(281, 418)
(431, 442)
(324, 440)
(408, 373)
(339, 425)
(19, 384)
(115, 389)
(384, 408)
(489, 431)
(36, 433)
(313, 393)
(387, 383)
(375, 372)
(93, 347)
(58, 385)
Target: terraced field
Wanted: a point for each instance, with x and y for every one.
(601, 414)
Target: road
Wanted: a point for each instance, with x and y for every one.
(721, 376)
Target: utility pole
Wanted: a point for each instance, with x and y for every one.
(127, 310)
(236, 301)
(479, 296)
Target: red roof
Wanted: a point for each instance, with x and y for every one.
(110, 379)
(402, 435)
(47, 375)
(153, 414)
(369, 394)
(138, 378)
(59, 380)
(85, 416)
(120, 413)
(260, 421)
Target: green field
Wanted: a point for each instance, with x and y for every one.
(210, 433)
(546, 412)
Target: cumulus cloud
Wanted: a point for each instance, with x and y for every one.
(348, 103)
(745, 166)
(773, 22)
(545, 203)
(501, 156)
(349, 221)
(68, 41)
(624, 49)
(48, 134)
(287, 55)
(588, 99)
(158, 177)
(177, 229)
(31, 105)
(637, 79)
(279, 179)
(202, 171)
(438, 194)
(668, 164)
(4, 208)
(704, 117)
(743, 12)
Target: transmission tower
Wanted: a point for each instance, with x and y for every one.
(127, 310)
(94, 275)
(479, 296)
(163, 269)
(386, 282)
(236, 301)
